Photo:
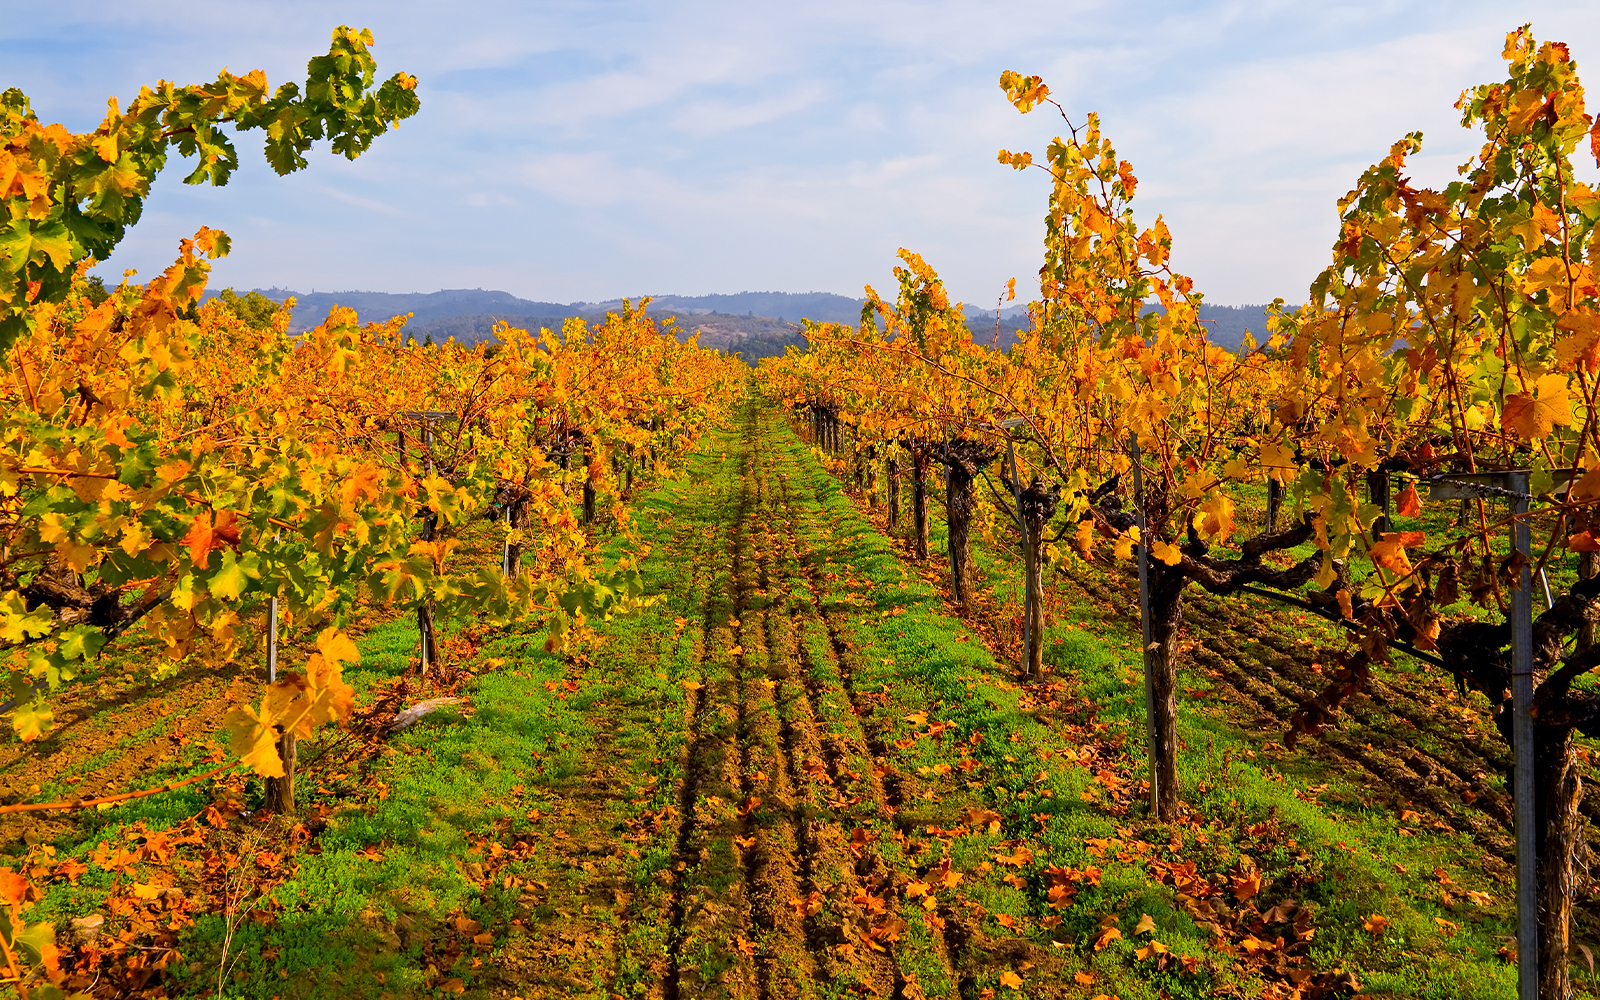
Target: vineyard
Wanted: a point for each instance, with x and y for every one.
(592, 662)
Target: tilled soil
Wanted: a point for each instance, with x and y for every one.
(1411, 738)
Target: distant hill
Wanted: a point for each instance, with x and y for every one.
(791, 307)
(470, 315)
(312, 307)
(755, 324)
(1226, 325)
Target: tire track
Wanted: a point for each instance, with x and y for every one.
(779, 886)
(883, 783)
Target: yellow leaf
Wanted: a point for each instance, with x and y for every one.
(1146, 925)
(144, 890)
(1083, 541)
(134, 538)
(1389, 551)
(336, 646)
(1216, 520)
(1169, 554)
(1278, 459)
(254, 742)
(31, 720)
(1582, 343)
(1547, 272)
(1123, 548)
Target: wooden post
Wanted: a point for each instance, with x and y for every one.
(919, 500)
(1030, 566)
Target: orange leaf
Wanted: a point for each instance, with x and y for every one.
(1346, 608)
(1246, 886)
(1532, 419)
(1107, 936)
(208, 533)
(13, 887)
(1389, 551)
(1583, 541)
(1011, 979)
(1410, 504)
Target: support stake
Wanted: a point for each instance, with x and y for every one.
(1143, 550)
(1513, 485)
(1522, 738)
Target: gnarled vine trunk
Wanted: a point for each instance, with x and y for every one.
(280, 791)
(963, 461)
(919, 498)
(1037, 505)
(893, 476)
(1560, 826)
(588, 485)
(1166, 617)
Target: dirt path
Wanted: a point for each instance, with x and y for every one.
(789, 845)
(782, 736)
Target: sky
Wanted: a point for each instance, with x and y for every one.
(591, 149)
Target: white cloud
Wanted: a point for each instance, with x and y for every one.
(703, 118)
(587, 148)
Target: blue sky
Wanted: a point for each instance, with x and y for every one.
(588, 150)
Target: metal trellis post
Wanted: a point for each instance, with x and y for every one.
(1513, 485)
(1145, 625)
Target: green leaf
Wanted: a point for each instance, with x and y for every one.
(137, 464)
(55, 498)
(81, 642)
(21, 244)
(35, 940)
(229, 581)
